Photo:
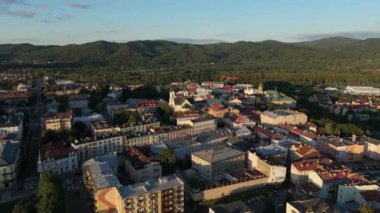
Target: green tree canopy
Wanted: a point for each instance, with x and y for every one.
(49, 195)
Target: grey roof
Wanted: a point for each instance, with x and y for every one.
(365, 139)
(233, 207)
(102, 175)
(335, 141)
(151, 186)
(315, 204)
(218, 153)
(9, 153)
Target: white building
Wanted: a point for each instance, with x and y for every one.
(371, 147)
(276, 173)
(141, 167)
(91, 147)
(57, 158)
(362, 90)
(8, 164)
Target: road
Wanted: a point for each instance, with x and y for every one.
(27, 179)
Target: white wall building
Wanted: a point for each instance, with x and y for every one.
(275, 173)
(57, 158)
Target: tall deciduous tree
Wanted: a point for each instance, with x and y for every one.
(49, 195)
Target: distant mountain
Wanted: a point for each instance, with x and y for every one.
(328, 42)
(331, 53)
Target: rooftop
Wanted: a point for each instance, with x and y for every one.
(317, 205)
(277, 113)
(335, 141)
(218, 153)
(102, 175)
(151, 186)
(55, 151)
(141, 156)
(9, 153)
(234, 207)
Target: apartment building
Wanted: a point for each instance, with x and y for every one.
(371, 146)
(303, 151)
(91, 147)
(311, 205)
(164, 194)
(12, 125)
(8, 164)
(141, 164)
(214, 162)
(185, 146)
(57, 158)
(57, 121)
(352, 197)
(132, 139)
(340, 149)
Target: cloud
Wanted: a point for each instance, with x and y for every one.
(44, 6)
(193, 41)
(63, 17)
(77, 5)
(25, 40)
(21, 13)
(105, 31)
(352, 34)
(11, 2)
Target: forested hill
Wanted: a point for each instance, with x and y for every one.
(325, 54)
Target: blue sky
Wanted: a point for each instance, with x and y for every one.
(197, 21)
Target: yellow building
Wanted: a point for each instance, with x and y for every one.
(283, 117)
(214, 162)
(106, 194)
(58, 121)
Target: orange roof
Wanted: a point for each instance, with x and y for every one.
(307, 165)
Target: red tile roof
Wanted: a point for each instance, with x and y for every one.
(55, 150)
(307, 165)
(14, 95)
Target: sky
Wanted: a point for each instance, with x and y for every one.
(195, 21)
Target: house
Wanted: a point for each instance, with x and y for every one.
(351, 197)
(12, 124)
(371, 146)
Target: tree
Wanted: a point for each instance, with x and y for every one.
(366, 209)
(133, 117)
(270, 207)
(329, 128)
(167, 160)
(24, 206)
(49, 195)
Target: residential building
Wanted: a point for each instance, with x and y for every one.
(185, 117)
(185, 146)
(12, 125)
(141, 164)
(91, 147)
(203, 124)
(140, 126)
(352, 197)
(99, 128)
(164, 194)
(57, 158)
(214, 162)
(8, 164)
(131, 139)
(57, 121)
(102, 187)
(274, 170)
(278, 98)
(78, 101)
(283, 117)
(299, 171)
(371, 146)
(303, 151)
(340, 149)
(314, 205)
(233, 207)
